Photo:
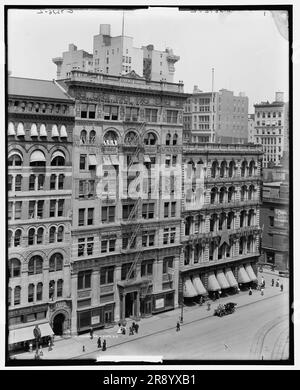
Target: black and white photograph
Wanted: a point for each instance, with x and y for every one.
(148, 185)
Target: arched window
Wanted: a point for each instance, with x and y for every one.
(242, 245)
(214, 169)
(213, 195)
(17, 295)
(9, 238)
(242, 218)
(150, 139)
(52, 181)
(58, 159)
(56, 262)
(83, 135)
(243, 168)
(175, 139)
(251, 218)
(17, 238)
(251, 168)
(92, 136)
(222, 219)
(37, 159)
(231, 169)
(14, 268)
(31, 292)
(131, 138)
(230, 220)
(223, 169)
(52, 234)
(51, 289)
(61, 180)
(15, 159)
(59, 291)
(168, 139)
(35, 265)
(39, 292)
(31, 234)
(243, 193)
(231, 191)
(213, 220)
(251, 192)
(60, 234)
(40, 235)
(110, 138)
(222, 194)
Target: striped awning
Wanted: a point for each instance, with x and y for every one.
(189, 289)
(63, 132)
(213, 284)
(34, 131)
(243, 276)
(250, 273)
(222, 280)
(37, 155)
(20, 129)
(54, 132)
(11, 129)
(147, 158)
(201, 290)
(230, 278)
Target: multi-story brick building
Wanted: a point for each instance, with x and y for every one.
(221, 213)
(126, 216)
(272, 129)
(40, 127)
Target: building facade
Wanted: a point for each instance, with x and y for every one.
(275, 224)
(216, 117)
(220, 218)
(126, 218)
(40, 128)
(251, 130)
(272, 129)
(118, 56)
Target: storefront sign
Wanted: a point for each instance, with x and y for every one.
(159, 303)
(281, 218)
(95, 320)
(27, 310)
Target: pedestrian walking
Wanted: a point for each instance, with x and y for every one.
(262, 291)
(133, 326)
(91, 333)
(272, 282)
(41, 351)
(104, 345)
(208, 306)
(83, 348)
(277, 282)
(30, 347)
(281, 287)
(99, 342)
(124, 330)
(49, 346)
(131, 330)
(177, 326)
(250, 291)
(136, 328)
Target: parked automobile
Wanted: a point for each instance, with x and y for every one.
(227, 308)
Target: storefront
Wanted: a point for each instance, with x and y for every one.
(97, 317)
(163, 301)
(21, 338)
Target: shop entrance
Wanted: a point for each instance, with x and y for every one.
(58, 324)
(146, 307)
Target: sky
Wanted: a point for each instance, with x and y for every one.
(245, 48)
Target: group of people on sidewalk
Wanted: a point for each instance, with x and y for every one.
(134, 328)
(262, 286)
(99, 344)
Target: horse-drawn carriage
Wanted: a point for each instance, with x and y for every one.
(223, 310)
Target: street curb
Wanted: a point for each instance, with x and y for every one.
(185, 323)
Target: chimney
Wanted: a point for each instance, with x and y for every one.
(72, 47)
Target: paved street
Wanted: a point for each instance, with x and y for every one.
(258, 329)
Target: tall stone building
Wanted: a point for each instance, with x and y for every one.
(40, 129)
(126, 213)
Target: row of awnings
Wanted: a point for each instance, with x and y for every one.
(34, 130)
(37, 155)
(218, 281)
(24, 334)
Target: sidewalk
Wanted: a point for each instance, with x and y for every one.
(73, 347)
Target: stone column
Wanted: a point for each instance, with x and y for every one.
(74, 304)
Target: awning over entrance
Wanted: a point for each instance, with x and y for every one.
(198, 285)
(147, 158)
(26, 333)
(242, 275)
(189, 289)
(250, 273)
(213, 284)
(222, 280)
(230, 278)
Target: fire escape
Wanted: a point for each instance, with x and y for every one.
(134, 220)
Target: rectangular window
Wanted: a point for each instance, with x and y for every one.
(111, 112)
(126, 210)
(81, 246)
(40, 209)
(82, 163)
(31, 209)
(90, 246)
(107, 275)
(83, 110)
(92, 111)
(60, 210)
(84, 280)
(81, 188)
(173, 209)
(18, 183)
(174, 160)
(90, 220)
(148, 210)
(112, 245)
(18, 210)
(41, 182)
(166, 209)
(172, 116)
(81, 217)
(10, 210)
(104, 246)
(151, 115)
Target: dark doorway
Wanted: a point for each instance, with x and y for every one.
(58, 324)
(129, 300)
